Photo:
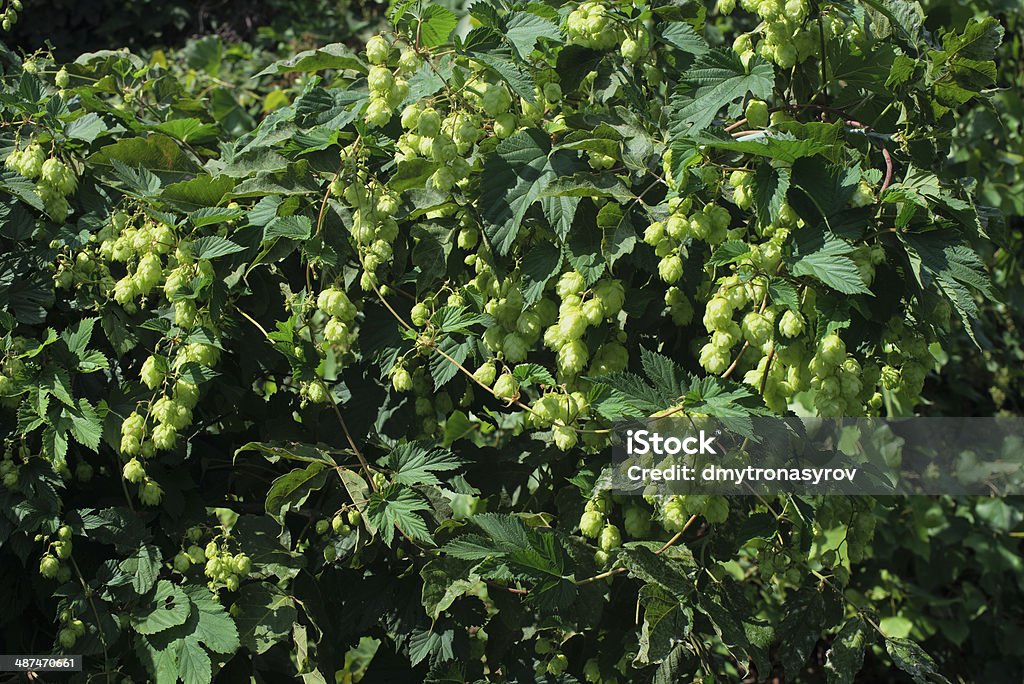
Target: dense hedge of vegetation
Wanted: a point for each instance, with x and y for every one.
(309, 362)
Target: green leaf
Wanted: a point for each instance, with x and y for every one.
(202, 191)
(729, 252)
(523, 29)
(416, 463)
(540, 264)
(288, 227)
(507, 69)
(730, 613)
(215, 629)
(532, 374)
(513, 179)
(442, 370)
(801, 629)
(978, 40)
(957, 269)
(675, 667)
(155, 153)
(666, 624)
(193, 662)
(673, 574)
(292, 489)
(142, 568)
(781, 146)
(435, 25)
(169, 607)
(846, 655)
(912, 659)
(86, 128)
(412, 173)
(681, 35)
(770, 186)
(443, 584)
(162, 663)
(332, 56)
(783, 293)
(210, 216)
(396, 508)
(825, 260)
(78, 336)
(265, 616)
(187, 130)
(560, 212)
(291, 451)
(86, 427)
(716, 79)
(214, 247)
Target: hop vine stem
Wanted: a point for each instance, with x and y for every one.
(616, 571)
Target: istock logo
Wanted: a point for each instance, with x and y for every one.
(643, 442)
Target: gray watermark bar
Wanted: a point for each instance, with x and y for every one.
(761, 455)
(40, 663)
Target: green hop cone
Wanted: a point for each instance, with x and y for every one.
(506, 387)
(757, 113)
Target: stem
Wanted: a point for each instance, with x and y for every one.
(767, 367)
(99, 624)
(619, 570)
(824, 61)
(351, 442)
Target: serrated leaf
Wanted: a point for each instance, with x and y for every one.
(188, 130)
(142, 568)
(770, 187)
(533, 374)
(560, 212)
(825, 260)
(781, 292)
(443, 584)
(435, 25)
(523, 29)
(666, 624)
(513, 179)
(507, 69)
(78, 336)
(138, 181)
(86, 128)
(730, 612)
(86, 427)
(214, 247)
(215, 628)
(442, 370)
(957, 269)
(397, 508)
(729, 252)
(540, 264)
(332, 56)
(209, 216)
(193, 662)
(415, 463)
(717, 78)
(681, 35)
(292, 451)
(288, 227)
(265, 616)
(846, 654)
(779, 146)
(292, 489)
(168, 607)
(801, 628)
(913, 660)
